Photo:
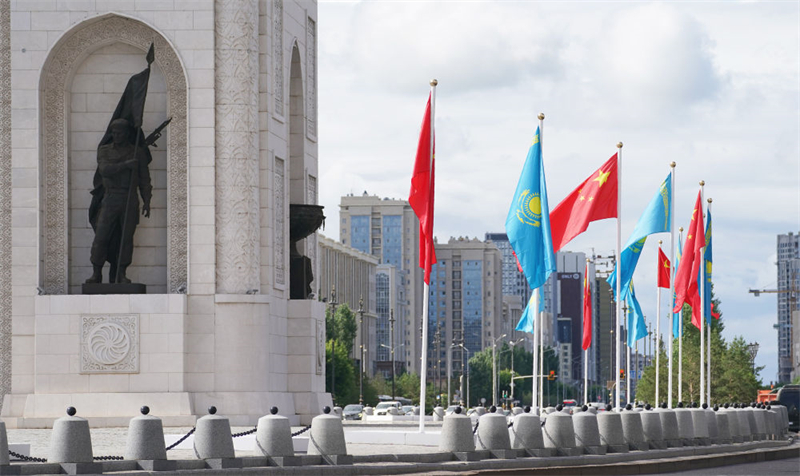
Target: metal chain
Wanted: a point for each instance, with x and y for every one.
(107, 458)
(27, 458)
(301, 431)
(248, 432)
(173, 445)
(476, 426)
(511, 424)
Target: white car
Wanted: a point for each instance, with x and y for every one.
(383, 407)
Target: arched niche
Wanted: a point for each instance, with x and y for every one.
(66, 57)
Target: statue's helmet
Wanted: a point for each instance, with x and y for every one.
(120, 124)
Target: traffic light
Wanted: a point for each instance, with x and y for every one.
(552, 375)
(622, 374)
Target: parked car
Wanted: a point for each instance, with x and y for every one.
(789, 397)
(407, 410)
(383, 407)
(352, 411)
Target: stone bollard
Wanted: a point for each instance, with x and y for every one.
(700, 425)
(746, 426)
(559, 433)
(733, 423)
(274, 439)
(685, 425)
(213, 442)
(145, 443)
(480, 411)
(5, 464)
(438, 414)
(632, 429)
(492, 435)
(669, 426)
(326, 438)
(651, 427)
(783, 420)
(723, 426)
(517, 411)
(393, 411)
(368, 410)
(416, 410)
(587, 433)
(711, 422)
(71, 445)
(756, 429)
(457, 436)
(769, 422)
(337, 410)
(610, 425)
(526, 434)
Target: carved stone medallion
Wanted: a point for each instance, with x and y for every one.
(109, 344)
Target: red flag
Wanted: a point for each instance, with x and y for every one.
(587, 310)
(714, 314)
(691, 260)
(421, 195)
(663, 269)
(594, 199)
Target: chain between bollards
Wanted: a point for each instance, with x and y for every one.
(478, 422)
(244, 433)
(107, 458)
(297, 433)
(27, 458)
(173, 445)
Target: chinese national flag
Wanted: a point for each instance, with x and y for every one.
(663, 269)
(587, 310)
(594, 199)
(691, 259)
(421, 196)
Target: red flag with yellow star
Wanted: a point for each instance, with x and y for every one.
(594, 199)
(691, 258)
(664, 269)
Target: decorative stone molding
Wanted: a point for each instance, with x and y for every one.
(311, 241)
(320, 360)
(5, 199)
(64, 57)
(277, 52)
(109, 344)
(279, 201)
(237, 168)
(311, 79)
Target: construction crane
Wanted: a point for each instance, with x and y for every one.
(792, 298)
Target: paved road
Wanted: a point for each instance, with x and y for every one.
(780, 467)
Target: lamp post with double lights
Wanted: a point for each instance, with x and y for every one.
(512, 344)
(391, 353)
(494, 368)
(467, 371)
(752, 348)
(363, 350)
(333, 305)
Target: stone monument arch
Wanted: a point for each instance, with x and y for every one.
(59, 195)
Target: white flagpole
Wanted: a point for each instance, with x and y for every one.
(658, 326)
(628, 370)
(710, 318)
(619, 269)
(671, 280)
(541, 363)
(680, 341)
(536, 324)
(423, 372)
(586, 352)
(702, 310)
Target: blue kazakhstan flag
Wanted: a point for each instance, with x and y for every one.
(707, 262)
(655, 219)
(637, 329)
(525, 323)
(528, 221)
(678, 315)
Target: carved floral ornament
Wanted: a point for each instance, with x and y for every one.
(109, 344)
(65, 56)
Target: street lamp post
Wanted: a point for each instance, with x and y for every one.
(391, 350)
(361, 339)
(467, 369)
(512, 344)
(494, 369)
(333, 305)
(753, 349)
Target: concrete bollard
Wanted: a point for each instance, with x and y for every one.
(769, 420)
(746, 427)
(711, 422)
(733, 423)
(526, 433)
(438, 414)
(368, 410)
(457, 436)
(480, 411)
(146, 443)
(700, 425)
(587, 433)
(492, 435)
(326, 438)
(651, 427)
(517, 411)
(416, 410)
(5, 464)
(756, 430)
(632, 429)
(723, 426)
(669, 426)
(71, 445)
(559, 433)
(610, 425)
(274, 439)
(337, 410)
(685, 425)
(213, 442)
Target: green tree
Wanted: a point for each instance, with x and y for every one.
(344, 328)
(480, 372)
(346, 390)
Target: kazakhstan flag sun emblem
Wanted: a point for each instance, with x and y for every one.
(530, 208)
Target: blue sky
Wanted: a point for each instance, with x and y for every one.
(713, 86)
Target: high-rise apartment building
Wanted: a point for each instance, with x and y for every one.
(391, 336)
(466, 303)
(788, 290)
(514, 282)
(389, 230)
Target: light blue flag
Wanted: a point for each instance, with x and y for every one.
(707, 261)
(676, 319)
(655, 219)
(528, 221)
(637, 329)
(525, 323)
